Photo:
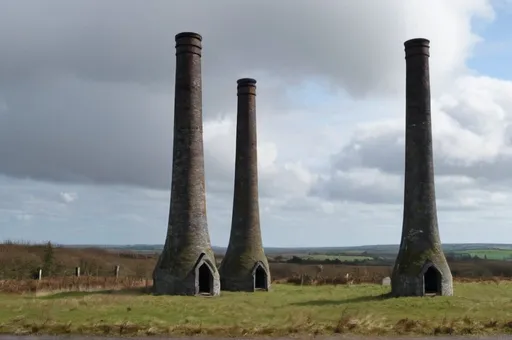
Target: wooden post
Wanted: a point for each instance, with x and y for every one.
(77, 271)
(116, 271)
(39, 274)
(319, 270)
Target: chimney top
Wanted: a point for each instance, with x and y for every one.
(188, 35)
(417, 46)
(246, 82)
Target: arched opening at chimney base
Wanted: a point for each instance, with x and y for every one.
(260, 278)
(205, 281)
(432, 281)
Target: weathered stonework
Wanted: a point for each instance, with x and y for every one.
(187, 263)
(245, 266)
(421, 266)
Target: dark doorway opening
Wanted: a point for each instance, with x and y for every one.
(260, 278)
(205, 281)
(432, 281)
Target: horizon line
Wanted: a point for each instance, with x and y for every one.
(24, 242)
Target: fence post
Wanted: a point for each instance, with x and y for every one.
(77, 271)
(39, 274)
(116, 271)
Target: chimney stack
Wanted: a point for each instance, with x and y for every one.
(187, 264)
(421, 267)
(245, 266)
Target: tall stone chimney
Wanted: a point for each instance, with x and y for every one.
(187, 264)
(421, 266)
(245, 266)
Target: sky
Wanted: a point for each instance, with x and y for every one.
(86, 117)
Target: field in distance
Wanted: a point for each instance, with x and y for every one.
(477, 308)
(365, 264)
(488, 254)
(354, 256)
(341, 258)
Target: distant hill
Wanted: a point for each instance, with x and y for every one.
(383, 249)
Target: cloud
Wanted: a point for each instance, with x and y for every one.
(472, 149)
(23, 217)
(99, 75)
(86, 110)
(68, 197)
(276, 177)
(365, 185)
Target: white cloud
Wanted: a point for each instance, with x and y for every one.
(23, 217)
(68, 197)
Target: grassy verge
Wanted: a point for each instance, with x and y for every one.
(477, 308)
(71, 283)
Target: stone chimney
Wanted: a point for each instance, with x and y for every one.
(245, 266)
(187, 264)
(421, 267)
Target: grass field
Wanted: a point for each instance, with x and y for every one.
(342, 258)
(490, 254)
(477, 308)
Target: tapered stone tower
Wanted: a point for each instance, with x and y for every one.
(421, 266)
(187, 263)
(245, 266)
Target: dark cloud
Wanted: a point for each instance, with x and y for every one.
(386, 152)
(117, 134)
(86, 87)
(124, 41)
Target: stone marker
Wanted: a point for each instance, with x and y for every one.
(386, 281)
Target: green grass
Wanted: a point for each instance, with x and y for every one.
(490, 254)
(342, 258)
(477, 308)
